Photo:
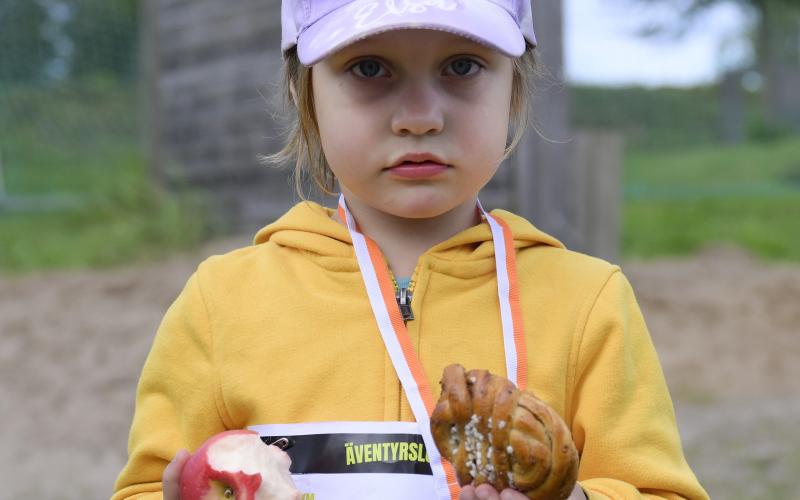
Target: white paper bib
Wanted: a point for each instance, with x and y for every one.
(363, 460)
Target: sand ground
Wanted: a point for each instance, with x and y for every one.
(72, 345)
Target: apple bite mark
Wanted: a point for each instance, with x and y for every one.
(239, 452)
(237, 465)
(234, 485)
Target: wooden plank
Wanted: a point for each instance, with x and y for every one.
(595, 178)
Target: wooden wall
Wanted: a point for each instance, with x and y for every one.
(212, 71)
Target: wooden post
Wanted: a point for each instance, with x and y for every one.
(567, 184)
(732, 105)
(2, 177)
(780, 63)
(595, 196)
(540, 161)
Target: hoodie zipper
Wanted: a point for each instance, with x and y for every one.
(403, 297)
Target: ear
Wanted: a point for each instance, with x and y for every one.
(293, 91)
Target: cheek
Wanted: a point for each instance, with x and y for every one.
(344, 134)
(334, 142)
(344, 148)
(485, 134)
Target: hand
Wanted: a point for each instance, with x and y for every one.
(170, 479)
(486, 492)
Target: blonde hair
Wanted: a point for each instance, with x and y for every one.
(304, 146)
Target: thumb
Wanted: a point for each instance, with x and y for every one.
(170, 479)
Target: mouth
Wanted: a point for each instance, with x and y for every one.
(412, 159)
(418, 166)
(418, 170)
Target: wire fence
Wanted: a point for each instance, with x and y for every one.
(68, 113)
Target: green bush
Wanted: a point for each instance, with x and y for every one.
(660, 118)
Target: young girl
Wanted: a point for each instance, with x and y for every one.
(334, 327)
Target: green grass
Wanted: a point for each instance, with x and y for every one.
(81, 143)
(748, 195)
(120, 217)
(91, 237)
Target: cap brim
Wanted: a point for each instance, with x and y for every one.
(481, 21)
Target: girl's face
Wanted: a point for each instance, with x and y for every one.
(413, 92)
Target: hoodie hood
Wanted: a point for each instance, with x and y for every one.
(309, 227)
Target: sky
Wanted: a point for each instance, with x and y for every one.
(602, 47)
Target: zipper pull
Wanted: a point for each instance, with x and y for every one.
(403, 297)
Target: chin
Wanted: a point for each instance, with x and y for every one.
(420, 210)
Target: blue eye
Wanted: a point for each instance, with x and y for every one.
(464, 67)
(367, 68)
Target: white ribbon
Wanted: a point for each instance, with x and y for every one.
(393, 347)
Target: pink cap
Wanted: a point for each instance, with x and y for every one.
(321, 27)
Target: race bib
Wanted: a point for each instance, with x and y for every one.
(365, 460)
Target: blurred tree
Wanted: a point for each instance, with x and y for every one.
(689, 9)
(771, 13)
(104, 37)
(24, 51)
(79, 37)
(776, 44)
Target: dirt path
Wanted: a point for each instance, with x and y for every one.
(72, 345)
(727, 328)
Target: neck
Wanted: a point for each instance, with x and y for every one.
(402, 240)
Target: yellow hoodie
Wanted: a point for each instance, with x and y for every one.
(282, 332)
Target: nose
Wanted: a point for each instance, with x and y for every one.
(419, 111)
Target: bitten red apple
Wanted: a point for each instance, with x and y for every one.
(237, 465)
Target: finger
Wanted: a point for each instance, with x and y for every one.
(509, 494)
(173, 470)
(486, 492)
(467, 493)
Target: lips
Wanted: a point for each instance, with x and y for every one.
(418, 166)
(418, 170)
(419, 158)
